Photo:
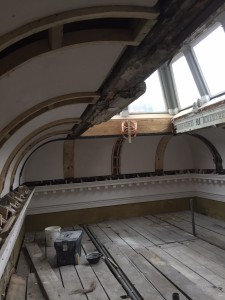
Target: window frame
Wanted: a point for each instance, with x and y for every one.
(196, 41)
(164, 96)
(174, 59)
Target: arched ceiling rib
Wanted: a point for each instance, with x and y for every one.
(26, 116)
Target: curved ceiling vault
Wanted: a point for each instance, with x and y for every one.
(79, 63)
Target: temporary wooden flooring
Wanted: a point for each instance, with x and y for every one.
(157, 253)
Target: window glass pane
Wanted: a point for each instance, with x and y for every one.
(153, 99)
(210, 53)
(186, 88)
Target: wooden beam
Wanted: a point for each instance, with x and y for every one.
(138, 63)
(17, 288)
(145, 126)
(115, 36)
(68, 158)
(55, 35)
(160, 151)
(76, 15)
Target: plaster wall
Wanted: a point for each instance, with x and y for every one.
(92, 157)
(139, 156)
(46, 163)
(178, 155)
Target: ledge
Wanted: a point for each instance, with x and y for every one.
(210, 114)
(7, 247)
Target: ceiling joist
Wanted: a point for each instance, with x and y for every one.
(76, 15)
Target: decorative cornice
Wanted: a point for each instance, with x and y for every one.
(209, 115)
(101, 203)
(121, 183)
(48, 199)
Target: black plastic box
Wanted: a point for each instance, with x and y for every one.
(68, 248)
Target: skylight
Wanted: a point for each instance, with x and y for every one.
(186, 88)
(210, 55)
(153, 101)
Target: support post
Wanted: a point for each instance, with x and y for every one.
(192, 217)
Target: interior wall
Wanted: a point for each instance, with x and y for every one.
(99, 214)
(92, 157)
(46, 163)
(178, 155)
(216, 135)
(139, 156)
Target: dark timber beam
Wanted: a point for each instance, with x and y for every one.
(177, 20)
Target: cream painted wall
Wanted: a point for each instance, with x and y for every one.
(202, 157)
(92, 157)
(139, 156)
(178, 155)
(46, 163)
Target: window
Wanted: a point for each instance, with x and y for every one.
(185, 85)
(153, 101)
(210, 53)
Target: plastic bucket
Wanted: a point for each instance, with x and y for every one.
(51, 234)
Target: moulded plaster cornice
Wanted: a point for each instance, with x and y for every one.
(109, 202)
(134, 182)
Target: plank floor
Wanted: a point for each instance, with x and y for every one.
(157, 253)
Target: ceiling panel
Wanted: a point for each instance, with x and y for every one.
(65, 71)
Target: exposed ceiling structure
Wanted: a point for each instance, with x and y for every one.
(66, 66)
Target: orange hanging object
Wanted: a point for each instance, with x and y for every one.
(129, 129)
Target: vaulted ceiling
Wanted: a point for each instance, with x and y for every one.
(66, 66)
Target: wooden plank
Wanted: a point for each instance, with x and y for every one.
(214, 249)
(159, 282)
(112, 287)
(203, 233)
(72, 282)
(141, 228)
(165, 288)
(145, 126)
(144, 287)
(24, 263)
(198, 259)
(88, 279)
(47, 276)
(178, 279)
(131, 237)
(195, 278)
(17, 288)
(34, 291)
(208, 254)
(204, 221)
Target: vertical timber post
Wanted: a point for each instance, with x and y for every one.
(192, 217)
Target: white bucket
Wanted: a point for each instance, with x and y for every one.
(51, 234)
